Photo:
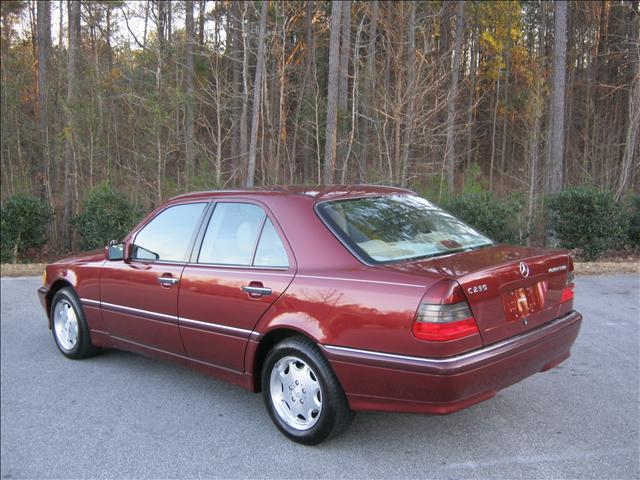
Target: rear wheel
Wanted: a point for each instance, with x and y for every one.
(69, 326)
(302, 394)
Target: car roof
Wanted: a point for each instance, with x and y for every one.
(314, 192)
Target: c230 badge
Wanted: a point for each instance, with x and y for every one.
(478, 289)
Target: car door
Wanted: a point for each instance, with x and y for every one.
(139, 296)
(242, 266)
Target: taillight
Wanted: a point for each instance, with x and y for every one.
(567, 291)
(444, 314)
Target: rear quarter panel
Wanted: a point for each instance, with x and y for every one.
(359, 310)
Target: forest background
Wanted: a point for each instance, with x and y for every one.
(522, 117)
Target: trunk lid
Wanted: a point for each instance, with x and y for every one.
(510, 289)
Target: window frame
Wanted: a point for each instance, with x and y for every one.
(190, 244)
(268, 215)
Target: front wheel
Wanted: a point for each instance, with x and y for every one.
(302, 394)
(69, 326)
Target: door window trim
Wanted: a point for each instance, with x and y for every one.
(268, 215)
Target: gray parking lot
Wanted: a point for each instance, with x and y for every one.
(123, 415)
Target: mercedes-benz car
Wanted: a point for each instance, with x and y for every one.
(328, 300)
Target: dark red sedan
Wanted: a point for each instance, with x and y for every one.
(329, 300)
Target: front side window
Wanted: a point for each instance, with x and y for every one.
(240, 234)
(398, 227)
(168, 235)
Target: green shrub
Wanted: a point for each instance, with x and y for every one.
(106, 215)
(499, 219)
(633, 231)
(23, 221)
(586, 219)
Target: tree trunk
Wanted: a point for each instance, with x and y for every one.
(257, 88)
(505, 97)
(235, 30)
(555, 152)
(343, 86)
(44, 46)
(449, 153)
(146, 22)
(189, 113)
(244, 135)
(332, 96)
(411, 80)
(633, 125)
(302, 94)
(369, 82)
(73, 9)
(202, 8)
(61, 25)
(345, 48)
(472, 96)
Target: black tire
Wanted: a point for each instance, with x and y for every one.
(335, 415)
(83, 348)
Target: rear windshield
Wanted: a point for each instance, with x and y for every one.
(393, 228)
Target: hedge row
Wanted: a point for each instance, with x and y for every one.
(106, 215)
(583, 219)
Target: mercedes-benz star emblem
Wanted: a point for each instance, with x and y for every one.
(524, 269)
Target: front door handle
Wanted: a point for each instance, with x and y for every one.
(167, 281)
(257, 291)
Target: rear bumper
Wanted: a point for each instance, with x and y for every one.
(387, 382)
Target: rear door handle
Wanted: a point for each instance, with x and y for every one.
(257, 291)
(167, 281)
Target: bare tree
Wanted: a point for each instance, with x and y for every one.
(73, 9)
(202, 10)
(411, 81)
(345, 49)
(257, 88)
(449, 152)
(235, 30)
(369, 82)
(189, 114)
(633, 126)
(555, 150)
(244, 112)
(332, 96)
(44, 47)
(309, 61)
(343, 85)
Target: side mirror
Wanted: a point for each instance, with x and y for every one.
(115, 251)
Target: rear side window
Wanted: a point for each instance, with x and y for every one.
(232, 234)
(168, 235)
(240, 234)
(270, 251)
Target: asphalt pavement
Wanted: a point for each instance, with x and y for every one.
(121, 415)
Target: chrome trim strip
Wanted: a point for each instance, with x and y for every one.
(90, 302)
(139, 311)
(213, 327)
(448, 360)
(362, 280)
(101, 332)
(188, 322)
(241, 269)
(256, 335)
